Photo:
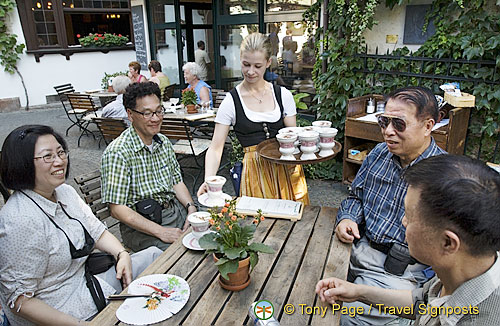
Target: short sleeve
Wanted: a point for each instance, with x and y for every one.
(115, 178)
(226, 114)
(288, 103)
(23, 256)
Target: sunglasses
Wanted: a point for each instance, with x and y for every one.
(398, 123)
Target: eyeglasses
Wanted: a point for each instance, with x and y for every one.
(398, 123)
(50, 158)
(148, 114)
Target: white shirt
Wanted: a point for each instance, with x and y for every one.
(226, 114)
(202, 59)
(115, 109)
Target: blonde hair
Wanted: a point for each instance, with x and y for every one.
(256, 42)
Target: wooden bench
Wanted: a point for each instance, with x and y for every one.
(89, 185)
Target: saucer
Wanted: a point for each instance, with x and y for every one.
(205, 201)
(190, 242)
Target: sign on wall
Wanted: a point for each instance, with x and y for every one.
(139, 37)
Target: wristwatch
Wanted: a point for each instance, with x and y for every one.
(189, 205)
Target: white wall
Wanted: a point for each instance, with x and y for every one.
(83, 70)
(389, 22)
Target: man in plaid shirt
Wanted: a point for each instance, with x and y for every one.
(140, 164)
(375, 205)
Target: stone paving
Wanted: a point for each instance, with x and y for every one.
(87, 157)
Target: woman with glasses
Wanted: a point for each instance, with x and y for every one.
(47, 233)
(257, 110)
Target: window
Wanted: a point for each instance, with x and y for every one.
(52, 26)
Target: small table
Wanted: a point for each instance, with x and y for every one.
(305, 252)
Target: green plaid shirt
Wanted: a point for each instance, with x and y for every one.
(131, 173)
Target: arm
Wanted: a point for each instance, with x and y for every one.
(214, 153)
(138, 222)
(184, 197)
(155, 80)
(110, 244)
(333, 289)
(290, 121)
(204, 95)
(40, 313)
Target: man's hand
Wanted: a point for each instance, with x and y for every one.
(169, 235)
(347, 230)
(124, 268)
(333, 289)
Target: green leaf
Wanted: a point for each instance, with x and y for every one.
(233, 253)
(260, 247)
(254, 259)
(221, 261)
(208, 241)
(231, 266)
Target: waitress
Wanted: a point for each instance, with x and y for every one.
(257, 110)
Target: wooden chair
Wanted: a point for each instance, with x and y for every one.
(110, 128)
(168, 92)
(73, 115)
(83, 103)
(186, 145)
(218, 100)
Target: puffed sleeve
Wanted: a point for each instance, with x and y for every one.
(23, 255)
(288, 103)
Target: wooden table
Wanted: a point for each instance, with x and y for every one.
(305, 252)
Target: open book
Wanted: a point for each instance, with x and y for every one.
(278, 208)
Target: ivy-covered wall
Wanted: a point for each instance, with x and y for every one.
(473, 34)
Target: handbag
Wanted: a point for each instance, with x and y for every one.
(97, 263)
(150, 209)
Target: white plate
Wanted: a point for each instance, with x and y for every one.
(145, 311)
(205, 201)
(190, 242)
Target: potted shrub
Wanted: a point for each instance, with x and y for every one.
(189, 99)
(230, 245)
(108, 79)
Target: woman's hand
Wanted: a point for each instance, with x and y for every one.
(203, 189)
(124, 268)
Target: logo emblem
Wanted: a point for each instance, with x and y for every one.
(263, 309)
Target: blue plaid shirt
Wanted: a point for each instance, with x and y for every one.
(378, 192)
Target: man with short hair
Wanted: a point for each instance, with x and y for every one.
(452, 217)
(115, 109)
(202, 59)
(375, 205)
(141, 178)
(158, 77)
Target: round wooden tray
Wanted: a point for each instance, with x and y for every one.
(270, 150)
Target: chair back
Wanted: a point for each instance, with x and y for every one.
(64, 89)
(176, 129)
(168, 92)
(81, 102)
(220, 97)
(110, 128)
(89, 185)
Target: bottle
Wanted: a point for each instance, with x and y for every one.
(380, 106)
(370, 106)
(259, 322)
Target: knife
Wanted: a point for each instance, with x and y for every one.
(126, 296)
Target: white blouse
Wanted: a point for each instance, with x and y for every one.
(35, 260)
(226, 114)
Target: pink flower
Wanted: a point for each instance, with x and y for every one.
(78, 35)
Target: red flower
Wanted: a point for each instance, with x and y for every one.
(120, 35)
(99, 35)
(78, 35)
(96, 38)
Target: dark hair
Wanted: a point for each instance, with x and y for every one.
(155, 64)
(139, 90)
(423, 99)
(17, 167)
(200, 44)
(460, 194)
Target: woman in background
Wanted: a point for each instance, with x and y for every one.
(257, 110)
(202, 89)
(134, 73)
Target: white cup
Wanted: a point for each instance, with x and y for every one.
(215, 184)
(199, 223)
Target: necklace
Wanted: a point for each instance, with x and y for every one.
(251, 93)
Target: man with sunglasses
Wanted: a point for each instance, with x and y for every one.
(141, 178)
(372, 214)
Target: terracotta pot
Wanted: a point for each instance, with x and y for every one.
(191, 108)
(239, 280)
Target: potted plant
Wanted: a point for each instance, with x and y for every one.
(230, 245)
(102, 40)
(189, 99)
(108, 79)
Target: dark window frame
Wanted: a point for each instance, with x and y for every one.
(30, 35)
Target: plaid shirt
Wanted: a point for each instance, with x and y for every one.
(131, 172)
(378, 192)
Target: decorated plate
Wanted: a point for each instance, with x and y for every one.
(169, 293)
(206, 201)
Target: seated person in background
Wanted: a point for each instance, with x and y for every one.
(140, 166)
(134, 73)
(115, 109)
(202, 89)
(452, 217)
(376, 199)
(157, 76)
(47, 233)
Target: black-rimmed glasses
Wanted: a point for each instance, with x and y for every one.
(50, 158)
(149, 114)
(398, 123)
